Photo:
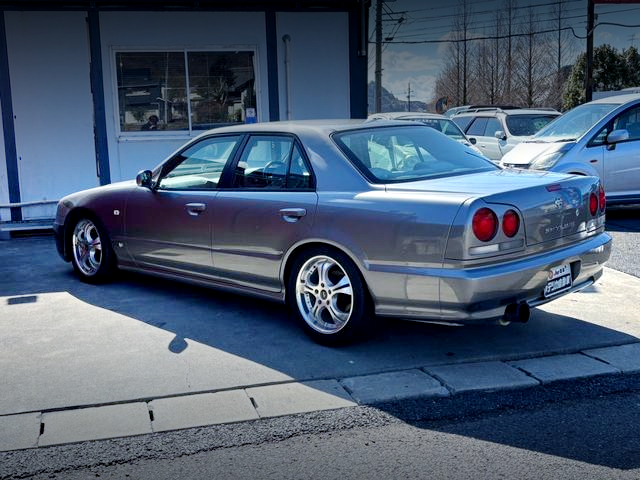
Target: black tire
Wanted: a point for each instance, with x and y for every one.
(327, 295)
(91, 253)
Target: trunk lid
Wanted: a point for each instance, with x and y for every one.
(551, 205)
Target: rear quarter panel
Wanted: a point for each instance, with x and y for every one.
(389, 234)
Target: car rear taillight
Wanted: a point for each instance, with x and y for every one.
(510, 223)
(593, 204)
(485, 224)
(602, 199)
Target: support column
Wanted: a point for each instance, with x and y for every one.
(10, 150)
(272, 65)
(97, 89)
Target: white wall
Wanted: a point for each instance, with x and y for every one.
(161, 30)
(49, 69)
(319, 65)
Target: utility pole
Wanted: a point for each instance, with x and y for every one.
(409, 98)
(378, 72)
(588, 76)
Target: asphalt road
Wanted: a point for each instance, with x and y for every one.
(623, 223)
(573, 431)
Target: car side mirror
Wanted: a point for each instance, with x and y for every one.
(143, 179)
(472, 141)
(617, 136)
(500, 135)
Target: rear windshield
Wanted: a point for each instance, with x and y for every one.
(405, 154)
(525, 125)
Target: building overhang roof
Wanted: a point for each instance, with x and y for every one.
(184, 5)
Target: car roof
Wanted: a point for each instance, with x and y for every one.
(407, 115)
(514, 111)
(618, 99)
(323, 127)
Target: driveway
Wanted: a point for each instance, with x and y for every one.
(131, 346)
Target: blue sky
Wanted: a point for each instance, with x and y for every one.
(430, 21)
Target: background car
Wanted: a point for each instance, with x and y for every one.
(433, 120)
(344, 221)
(496, 130)
(600, 138)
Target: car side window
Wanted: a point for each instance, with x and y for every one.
(272, 162)
(200, 166)
(493, 125)
(462, 122)
(478, 126)
(601, 137)
(630, 121)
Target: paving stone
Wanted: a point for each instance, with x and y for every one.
(466, 377)
(19, 431)
(563, 367)
(201, 409)
(624, 357)
(290, 398)
(95, 423)
(385, 387)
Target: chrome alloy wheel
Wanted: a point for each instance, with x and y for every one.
(87, 247)
(324, 294)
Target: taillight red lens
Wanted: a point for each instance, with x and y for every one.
(485, 224)
(593, 204)
(602, 199)
(510, 223)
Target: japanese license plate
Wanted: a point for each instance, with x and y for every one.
(559, 280)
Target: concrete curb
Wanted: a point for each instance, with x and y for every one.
(47, 428)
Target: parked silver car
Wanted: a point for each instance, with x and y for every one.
(496, 130)
(345, 220)
(599, 138)
(433, 120)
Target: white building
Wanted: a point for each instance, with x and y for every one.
(91, 92)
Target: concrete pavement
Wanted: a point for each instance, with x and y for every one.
(40, 429)
(140, 356)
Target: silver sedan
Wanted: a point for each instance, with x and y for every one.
(346, 221)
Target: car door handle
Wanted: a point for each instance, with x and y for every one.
(195, 209)
(292, 215)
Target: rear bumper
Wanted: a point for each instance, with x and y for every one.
(483, 293)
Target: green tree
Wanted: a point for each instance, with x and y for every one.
(611, 71)
(631, 58)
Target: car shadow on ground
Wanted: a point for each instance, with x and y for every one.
(263, 332)
(623, 218)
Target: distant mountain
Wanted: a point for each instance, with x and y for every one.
(392, 104)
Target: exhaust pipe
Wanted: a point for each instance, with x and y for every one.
(515, 312)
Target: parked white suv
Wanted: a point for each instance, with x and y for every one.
(497, 130)
(599, 138)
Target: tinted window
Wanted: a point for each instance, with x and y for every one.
(525, 125)
(272, 162)
(478, 126)
(462, 122)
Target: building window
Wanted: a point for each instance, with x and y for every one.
(185, 90)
